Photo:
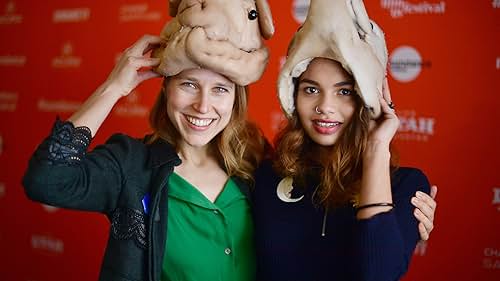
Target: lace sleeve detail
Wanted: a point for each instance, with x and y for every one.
(66, 144)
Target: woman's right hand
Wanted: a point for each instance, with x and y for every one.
(134, 66)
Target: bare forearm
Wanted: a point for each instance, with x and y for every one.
(96, 108)
(376, 180)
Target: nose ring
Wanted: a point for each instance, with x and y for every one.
(316, 109)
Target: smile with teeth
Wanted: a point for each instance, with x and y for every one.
(199, 122)
(326, 124)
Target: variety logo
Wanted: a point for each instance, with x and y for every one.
(131, 107)
(10, 16)
(138, 12)
(413, 127)
(495, 4)
(491, 258)
(9, 60)
(496, 197)
(406, 64)
(8, 101)
(47, 244)
(299, 10)
(2, 189)
(60, 106)
(71, 15)
(400, 8)
(66, 59)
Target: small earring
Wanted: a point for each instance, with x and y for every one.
(316, 109)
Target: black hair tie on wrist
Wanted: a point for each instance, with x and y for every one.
(382, 204)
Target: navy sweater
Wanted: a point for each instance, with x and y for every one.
(290, 245)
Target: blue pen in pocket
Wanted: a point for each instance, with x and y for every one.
(145, 203)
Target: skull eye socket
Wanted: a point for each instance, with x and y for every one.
(252, 15)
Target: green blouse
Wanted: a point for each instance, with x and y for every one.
(205, 240)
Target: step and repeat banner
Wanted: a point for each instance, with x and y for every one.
(445, 81)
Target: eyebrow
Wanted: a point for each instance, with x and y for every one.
(218, 84)
(338, 84)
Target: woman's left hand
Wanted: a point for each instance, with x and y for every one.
(385, 127)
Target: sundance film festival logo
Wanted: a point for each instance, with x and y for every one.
(413, 127)
(10, 16)
(491, 259)
(496, 197)
(406, 64)
(400, 8)
(12, 60)
(131, 107)
(59, 106)
(47, 244)
(66, 59)
(8, 101)
(138, 12)
(299, 10)
(71, 15)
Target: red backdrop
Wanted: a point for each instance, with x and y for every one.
(444, 76)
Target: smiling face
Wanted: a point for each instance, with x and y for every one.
(325, 100)
(199, 105)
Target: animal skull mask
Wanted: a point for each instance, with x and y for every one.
(338, 30)
(221, 35)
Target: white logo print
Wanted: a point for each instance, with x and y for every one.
(8, 101)
(413, 127)
(496, 197)
(406, 64)
(66, 59)
(399, 8)
(491, 259)
(138, 12)
(47, 244)
(71, 15)
(10, 16)
(130, 106)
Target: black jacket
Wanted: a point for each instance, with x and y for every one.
(116, 179)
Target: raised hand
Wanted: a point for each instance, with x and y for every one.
(135, 66)
(385, 127)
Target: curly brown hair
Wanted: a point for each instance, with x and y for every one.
(239, 148)
(336, 169)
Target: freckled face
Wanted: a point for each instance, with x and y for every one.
(199, 105)
(325, 100)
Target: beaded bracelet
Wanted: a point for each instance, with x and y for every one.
(383, 204)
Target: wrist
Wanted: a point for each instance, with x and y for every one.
(110, 90)
(376, 150)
